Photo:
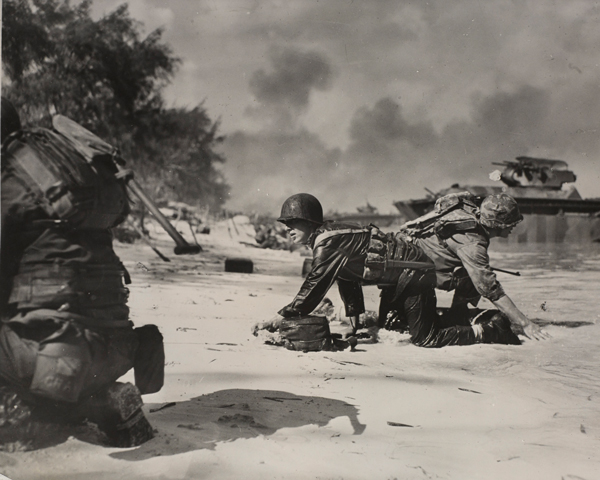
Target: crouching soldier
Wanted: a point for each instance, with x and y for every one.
(456, 237)
(352, 256)
(65, 335)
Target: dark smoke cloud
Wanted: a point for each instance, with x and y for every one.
(503, 126)
(393, 157)
(294, 75)
(384, 125)
(520, 116)
(265, 168)
(425, 94)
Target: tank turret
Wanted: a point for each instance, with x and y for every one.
(536, 172)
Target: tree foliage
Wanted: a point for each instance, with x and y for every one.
(108, 77)
(183, 140)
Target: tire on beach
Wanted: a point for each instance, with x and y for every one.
(239, 265)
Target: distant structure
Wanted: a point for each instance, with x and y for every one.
(554, 210)
(368, 209)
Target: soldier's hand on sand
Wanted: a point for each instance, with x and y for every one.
(255, 328)
(534, 332)
(270, 325)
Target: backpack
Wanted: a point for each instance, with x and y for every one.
(306, 334)
(455, 212)
(85, 192)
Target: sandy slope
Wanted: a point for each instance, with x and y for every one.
(247, 410)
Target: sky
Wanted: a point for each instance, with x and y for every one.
(360, 101)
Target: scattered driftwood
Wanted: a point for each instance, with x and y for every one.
(467, 390)
(395, 424)
(162, 407)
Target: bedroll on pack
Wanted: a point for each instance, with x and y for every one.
(306, 334)
(452, 213)
(84, 192)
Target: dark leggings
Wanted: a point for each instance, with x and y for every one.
(417, 305)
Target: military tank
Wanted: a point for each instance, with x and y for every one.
(553, 209)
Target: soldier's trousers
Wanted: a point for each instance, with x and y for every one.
(417, 305)
(111, 355)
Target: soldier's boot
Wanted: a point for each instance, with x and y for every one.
(16, 428)
(118, 413)
(339, 344)
(396, 322)
(497, 330)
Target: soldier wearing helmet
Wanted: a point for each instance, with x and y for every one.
(302, 206)
(351, 256)
(458, 246)
(65, 333)
(499, 212)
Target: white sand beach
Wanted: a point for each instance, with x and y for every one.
(233, 407)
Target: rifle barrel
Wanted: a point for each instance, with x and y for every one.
(516, 274)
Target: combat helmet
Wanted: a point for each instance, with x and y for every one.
(10, 119)
(499, 211)
(302, 206)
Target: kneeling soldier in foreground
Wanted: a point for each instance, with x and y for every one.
(65, 336)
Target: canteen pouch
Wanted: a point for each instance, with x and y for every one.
(149, 362)
(378, 252)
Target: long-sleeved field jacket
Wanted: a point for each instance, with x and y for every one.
(463, 249)
(339, 253)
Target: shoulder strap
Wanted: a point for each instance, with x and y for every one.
(332, 233)
(459, 220)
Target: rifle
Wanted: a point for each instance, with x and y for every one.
(495, 269)
(89, 145)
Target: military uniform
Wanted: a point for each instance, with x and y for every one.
(456, 238)
(352, 256)
(462, 265)
(65, 336)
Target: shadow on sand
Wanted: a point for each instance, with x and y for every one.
(226, 415)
